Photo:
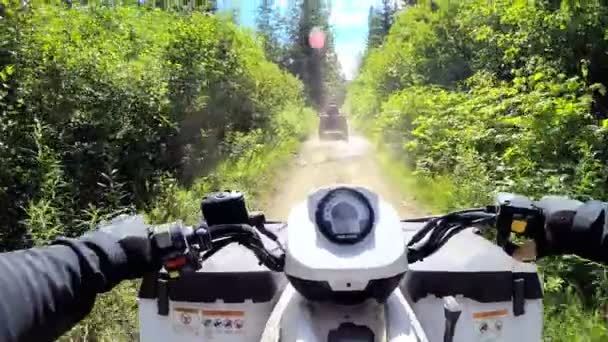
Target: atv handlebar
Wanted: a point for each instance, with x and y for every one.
(181, 248)
(510, 214)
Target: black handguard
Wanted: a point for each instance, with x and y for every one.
(516, 214)
(573, 227)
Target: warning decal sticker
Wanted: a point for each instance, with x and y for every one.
(230, 313)
(185, 320)
(488, 325)
(222, 322)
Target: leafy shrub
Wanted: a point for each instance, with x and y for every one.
(101, 104)
(500, 96)
(111, 110)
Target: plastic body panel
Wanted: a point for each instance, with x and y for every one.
(302, 320)
(201, 312)
(488, 317)
(187, 321)
(311, 256)
(502, 325)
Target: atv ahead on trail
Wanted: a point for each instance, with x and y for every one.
(332, 124)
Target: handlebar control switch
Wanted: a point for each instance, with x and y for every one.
(171, 242)
(517, 214)
(226, 207)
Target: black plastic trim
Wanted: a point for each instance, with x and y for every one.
(351, 332)
(378, 289)
(162, 302)
(519, 288)
(208, 287)
(484, 287)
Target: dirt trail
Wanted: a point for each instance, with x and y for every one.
(322, 163)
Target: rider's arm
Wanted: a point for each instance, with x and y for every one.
(573, 227)
(45, 291)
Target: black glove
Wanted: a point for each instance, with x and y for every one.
(572, 227)
(125, 249)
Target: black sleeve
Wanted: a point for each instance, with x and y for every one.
(579, 229)
(46, 291)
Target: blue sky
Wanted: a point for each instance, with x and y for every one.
(348, 18)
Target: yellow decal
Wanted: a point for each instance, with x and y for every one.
(518, 226)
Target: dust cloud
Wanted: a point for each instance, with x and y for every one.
(321, 163)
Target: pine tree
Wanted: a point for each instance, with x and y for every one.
(286, 42)
(269, 26)
(375, 33)
(380, 22)
(318, 69)
(388, 10)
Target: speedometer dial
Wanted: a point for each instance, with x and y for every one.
(344, 216)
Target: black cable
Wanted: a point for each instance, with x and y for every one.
(419, 219)
(439, 229)
(423, 231)
(217, 246)
(225, 235)
(428, 218)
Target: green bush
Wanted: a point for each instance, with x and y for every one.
(110, 110)
(500, 96)
(99, 105)
(250, 168)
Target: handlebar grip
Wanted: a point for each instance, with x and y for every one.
(573, 227)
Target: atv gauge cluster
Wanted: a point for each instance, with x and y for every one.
(344, 216)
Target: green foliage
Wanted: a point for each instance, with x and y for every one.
(99, 104)
(114, 317)
(112, 110)
(477, 97)
(249, 167)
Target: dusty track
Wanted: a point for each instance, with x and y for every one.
(322, 163)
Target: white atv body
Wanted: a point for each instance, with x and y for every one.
(362, 291)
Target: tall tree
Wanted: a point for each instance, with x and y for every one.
(388, 11)
(317, 68)
(286, 42)
(375, 33)
(380, 22)
(271, 28)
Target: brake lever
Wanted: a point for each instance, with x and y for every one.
(257, 219)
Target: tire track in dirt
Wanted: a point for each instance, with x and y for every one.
(320, 163)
